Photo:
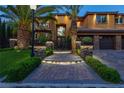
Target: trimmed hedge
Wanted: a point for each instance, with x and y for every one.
(6, 49)
(22, 69)
(106, 73)
(48, 51)
(87, 40)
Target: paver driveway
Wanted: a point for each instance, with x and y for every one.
(113, 58)
(58, 73)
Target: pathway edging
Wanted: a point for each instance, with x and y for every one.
(53, 85)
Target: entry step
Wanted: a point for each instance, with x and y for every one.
(63, 59)
(60, 62)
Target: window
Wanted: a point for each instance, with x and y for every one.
(119, 20)
(61, 31)
(101, 19)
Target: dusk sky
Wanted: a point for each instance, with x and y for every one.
(99, 8)
(96, 8)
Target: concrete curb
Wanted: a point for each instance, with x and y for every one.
(3, 78)
(58, 85)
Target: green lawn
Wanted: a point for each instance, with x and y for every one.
(10, 57)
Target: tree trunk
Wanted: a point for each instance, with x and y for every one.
(23, 37)
(73, 35)
(73, 42)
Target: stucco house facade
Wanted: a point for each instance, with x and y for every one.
(105, 28)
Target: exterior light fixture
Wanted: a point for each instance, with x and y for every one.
(33, 8)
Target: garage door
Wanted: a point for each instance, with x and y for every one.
(122, 42)
(107, 42)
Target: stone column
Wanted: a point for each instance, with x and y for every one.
(49, 44)
(118, 42)
(96, 42)
(12, 42)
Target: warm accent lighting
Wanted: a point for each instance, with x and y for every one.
(56, 17)
(94, 19)
(108, 20)
(119, 16)
(61, 63)
(78, 24)
(66, 18)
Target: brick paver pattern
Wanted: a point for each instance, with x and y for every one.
(77, 73)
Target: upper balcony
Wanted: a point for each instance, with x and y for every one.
(42, 27)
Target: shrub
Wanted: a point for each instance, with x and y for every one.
(78, 51)
(48, 51)
(87, 40)
(106, 73)
(42, 39)
(86, 52)
(22, 69)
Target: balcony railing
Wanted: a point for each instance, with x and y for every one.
(42, 26)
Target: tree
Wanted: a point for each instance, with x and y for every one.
(73, 11)
(21, 16)
(5, 34)
(0, 33)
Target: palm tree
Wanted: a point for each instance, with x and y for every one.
(21, 16)
(73, 11)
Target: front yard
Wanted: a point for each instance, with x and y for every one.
(8, 58)
(16, 65)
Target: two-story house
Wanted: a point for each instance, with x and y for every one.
(106, 29)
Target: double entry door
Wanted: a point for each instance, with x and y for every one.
(63, 41)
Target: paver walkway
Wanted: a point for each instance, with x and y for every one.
(59, 73)
(112, 58)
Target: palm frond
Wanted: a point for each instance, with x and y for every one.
(3, 9)
(13, 10)
(46, 18)
(72, 10)
(44, 10)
